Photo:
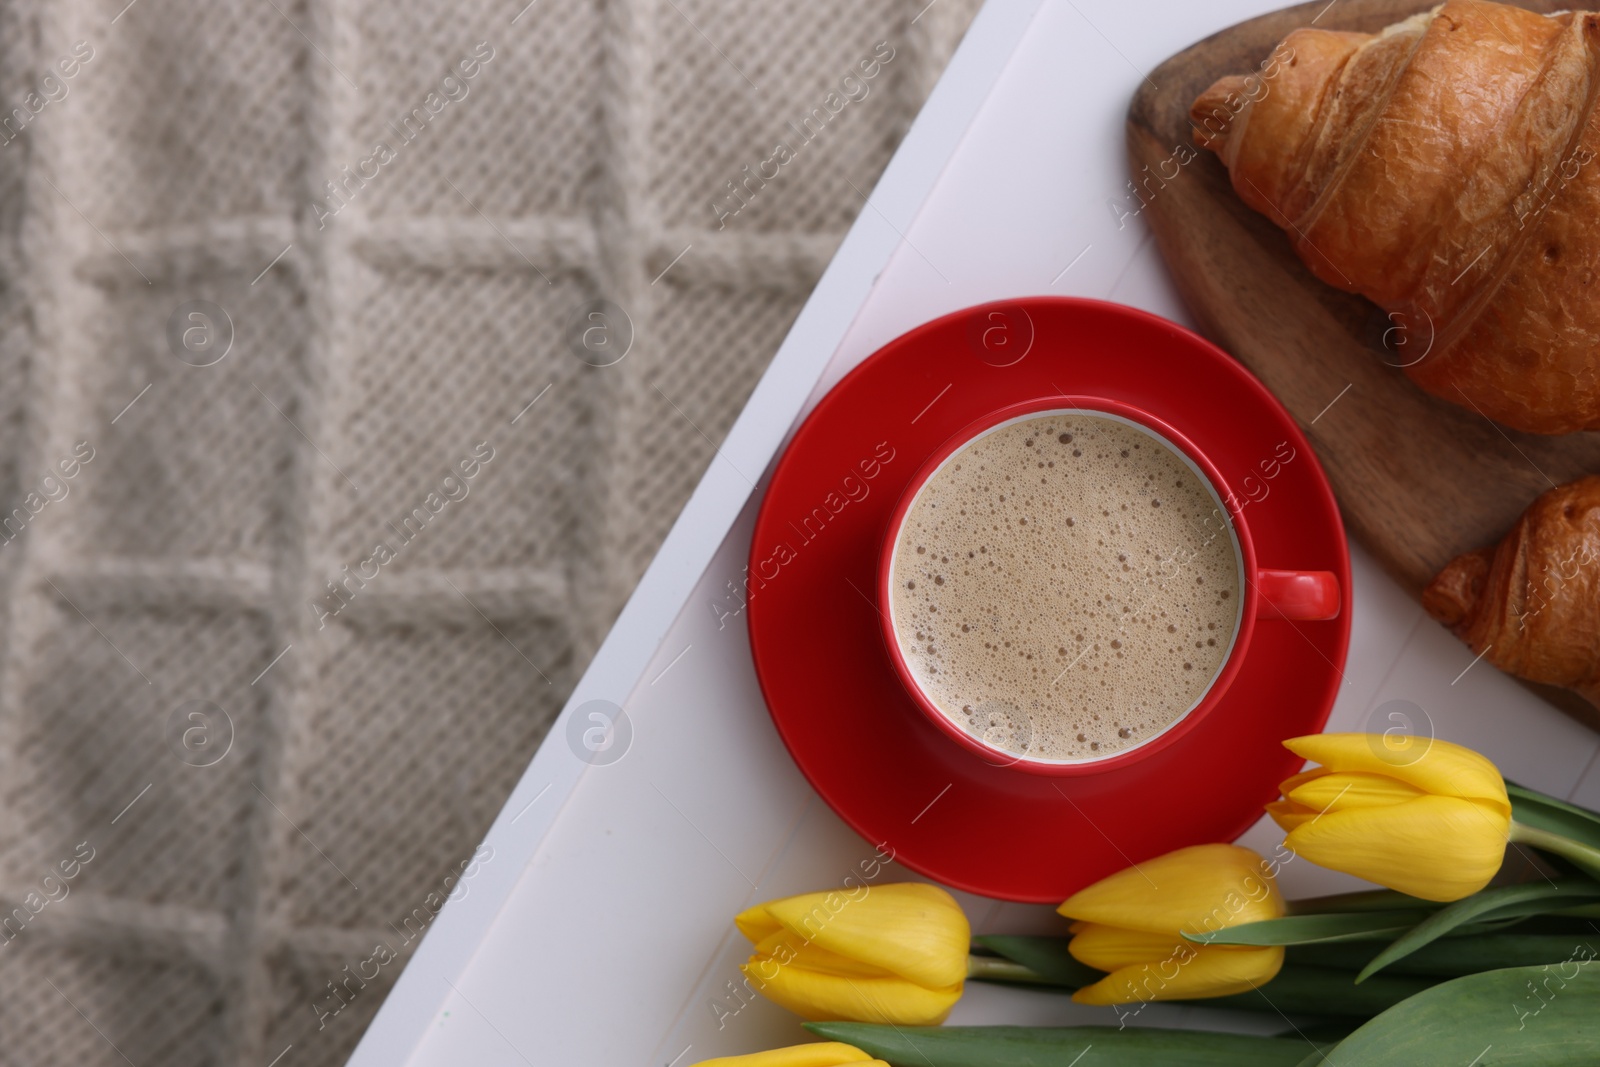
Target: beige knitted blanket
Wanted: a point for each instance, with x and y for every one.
(357, 358)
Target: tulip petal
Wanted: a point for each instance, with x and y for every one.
(1204, 887)
(756, 923)
(813, 957)
(1294, 781)
(1433, 766)
(1208, 971)
(1435, 847)
(1287, 814)
(817, 997)
(1106, 948)
(818, 1054)
(1339, 790)
(912, 929)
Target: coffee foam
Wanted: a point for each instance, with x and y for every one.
(1065, 587)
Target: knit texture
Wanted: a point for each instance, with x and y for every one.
(316, 498)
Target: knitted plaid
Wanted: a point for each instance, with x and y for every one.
(316, 491)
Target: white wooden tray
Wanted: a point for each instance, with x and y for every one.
(599, 933)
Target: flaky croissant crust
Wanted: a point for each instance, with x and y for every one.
(1446, 168)
(1533, 601)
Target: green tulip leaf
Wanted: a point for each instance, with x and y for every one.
(1449, 957)
(1315, 929)
(1520, 912)
(1517, 1017)
(1303, 990)
(1046, 957)
(1504, 902)
(1081, 1046)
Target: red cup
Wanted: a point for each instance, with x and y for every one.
(1269, 593)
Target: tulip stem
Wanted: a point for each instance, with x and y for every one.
(999, 969)
(1586, 857)
(1581, 911)
(1359, 901)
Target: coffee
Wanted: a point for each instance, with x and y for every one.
(1064, 586)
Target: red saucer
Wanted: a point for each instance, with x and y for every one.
(836, 700)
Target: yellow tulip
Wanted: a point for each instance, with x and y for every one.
(1419, 815)
(1132, 924)
(819, 1054)
(878, 954)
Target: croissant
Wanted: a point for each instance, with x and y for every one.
(1445, 169)
(1531, 604)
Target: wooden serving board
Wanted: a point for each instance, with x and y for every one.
(1419, 480)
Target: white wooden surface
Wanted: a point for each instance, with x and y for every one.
(600, 934)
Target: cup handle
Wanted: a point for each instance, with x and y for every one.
(1303, 595)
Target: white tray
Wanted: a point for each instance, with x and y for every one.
(599, 932)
